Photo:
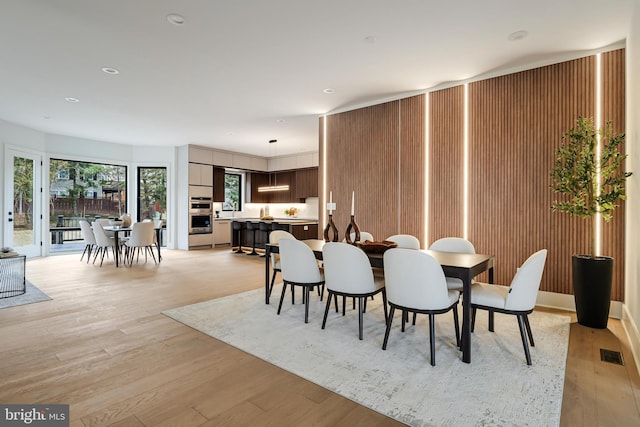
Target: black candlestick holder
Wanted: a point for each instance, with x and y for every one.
(352, 226)
(330, 227)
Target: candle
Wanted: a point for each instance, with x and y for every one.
(330, 202)
(353, 194)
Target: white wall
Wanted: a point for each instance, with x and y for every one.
(631, 318)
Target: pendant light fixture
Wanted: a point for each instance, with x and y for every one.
(274, 187)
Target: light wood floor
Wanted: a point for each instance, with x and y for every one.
(103, 346)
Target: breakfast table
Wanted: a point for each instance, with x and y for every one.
(117, 230)
(462, 266)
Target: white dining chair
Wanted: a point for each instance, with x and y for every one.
(347, 273)
(88, 237)
(274, 238)
(142, 238)
(406, 241)
(453, 244)
(299, 268)
(103, 243)
(517, 299)
(364, 235)
(415, 282)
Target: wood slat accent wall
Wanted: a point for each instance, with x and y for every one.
(411, 191)
(322, 200)
(515, 124)
(378, 152)
(613, 108)
(446, 163)
(363, 156)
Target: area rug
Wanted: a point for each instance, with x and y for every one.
(33, 294)
(496, 388)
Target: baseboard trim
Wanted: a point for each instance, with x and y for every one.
(566, 302)
(633, 335)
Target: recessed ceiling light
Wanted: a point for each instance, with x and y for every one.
(175, 19)
(229, 133)
(110, 70)
(370, 39)
(328, 90)
(47, 117)
(280, 121)
(518, 35)
(70, 99)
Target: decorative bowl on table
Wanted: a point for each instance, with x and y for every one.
(376, 247)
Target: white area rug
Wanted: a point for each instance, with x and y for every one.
(33, 294)
(497, 388)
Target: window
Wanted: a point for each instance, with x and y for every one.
(152, 193)
(232, 192)
(83, 189)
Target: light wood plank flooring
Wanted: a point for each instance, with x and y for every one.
(103, 346)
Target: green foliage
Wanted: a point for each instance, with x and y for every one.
(575, 171)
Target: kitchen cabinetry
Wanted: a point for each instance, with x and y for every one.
(200, 174)
(200, 240)
(218, 184)
(222, 232)
(306, 183)
(304, 231)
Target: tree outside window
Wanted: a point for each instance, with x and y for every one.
(232, 192)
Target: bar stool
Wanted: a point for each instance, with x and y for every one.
(253, 227)
(238, 226)
(265, 228)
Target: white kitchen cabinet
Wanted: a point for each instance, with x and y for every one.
(200, 241)
(200, 174)
(222, 232)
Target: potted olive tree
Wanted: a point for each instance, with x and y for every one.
(590, 181)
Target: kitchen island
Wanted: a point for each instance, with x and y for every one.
(301, 229)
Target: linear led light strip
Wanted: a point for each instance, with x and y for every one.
(426, 169)
(324, 168)
(465, 167)
(597, 218)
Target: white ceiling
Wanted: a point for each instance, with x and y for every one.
(235, 69)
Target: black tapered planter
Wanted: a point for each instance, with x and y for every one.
(592, 279)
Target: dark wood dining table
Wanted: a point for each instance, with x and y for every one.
(462, 266)
(117, 230)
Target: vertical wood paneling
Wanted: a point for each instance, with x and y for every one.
(362, 156)
(446, 163)
(412, 160)
(515, 124)
(613, 108)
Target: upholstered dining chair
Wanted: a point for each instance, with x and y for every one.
(88, 237)
(415, 282)
(347, 272)
(364, 235)
(274, 237)
(103, 243)
(105, 222)
(518, 299)
(299, 268)
(406, 241)
(142, 238)
(453, 244)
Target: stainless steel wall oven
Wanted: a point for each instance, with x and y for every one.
(200, 215)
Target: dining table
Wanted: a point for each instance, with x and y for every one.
(462, 266)
(117, 230)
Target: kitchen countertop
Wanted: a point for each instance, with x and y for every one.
(279, 220)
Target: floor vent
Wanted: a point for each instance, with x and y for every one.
(611, 356)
